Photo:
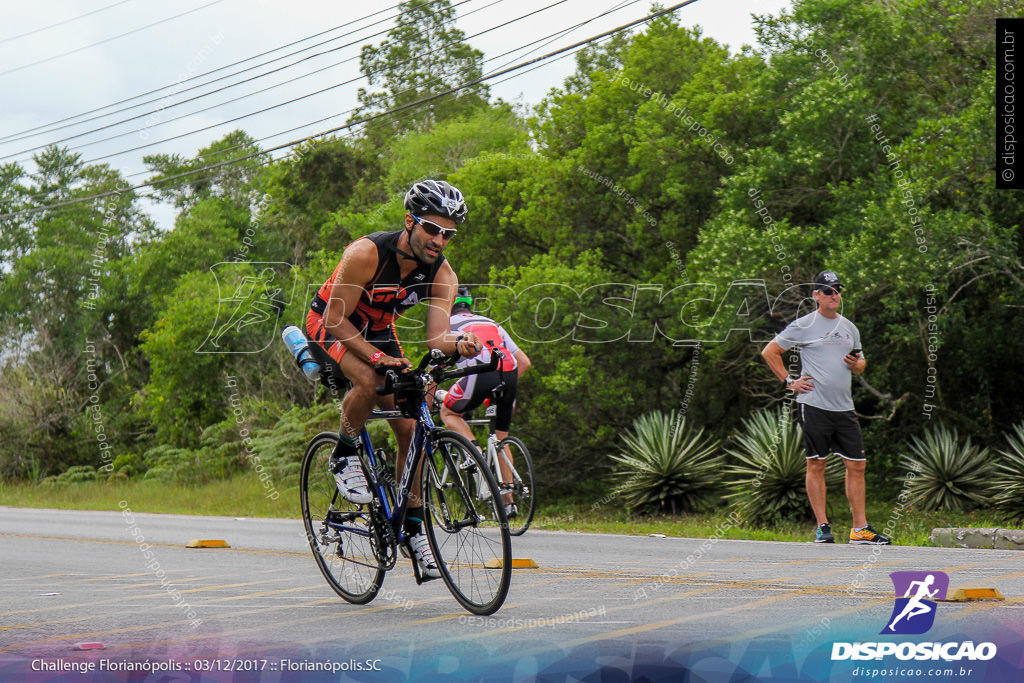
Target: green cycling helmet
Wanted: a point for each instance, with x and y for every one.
(464, 298)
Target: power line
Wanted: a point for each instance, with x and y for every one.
(430, 98)
(107, 40)
(52, 126)
(274, 106)
(546, 39)
(558, 34)
(226, 87)
(61, 23)
(37, 196)
(186, 177)
(351, 134)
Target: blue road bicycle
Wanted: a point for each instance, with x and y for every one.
(354, 545)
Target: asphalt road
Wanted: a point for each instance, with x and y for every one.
(597, 601)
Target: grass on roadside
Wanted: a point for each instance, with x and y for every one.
(236, 497)
(909, 526)
(244, 496)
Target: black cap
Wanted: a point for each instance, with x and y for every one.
(826, 278)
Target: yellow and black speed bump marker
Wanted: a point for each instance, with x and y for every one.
(970, 594)
(517, 563)
(207, 543)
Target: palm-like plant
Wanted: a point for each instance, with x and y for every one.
(1008, 478)
(948, 474)
(769, 475)
(666, 466)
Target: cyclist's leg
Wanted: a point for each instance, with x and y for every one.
(504, 464)
(461, 398)
(415, 544)
(402, 428)
(502, 422)
(345, 371)
(360, 398)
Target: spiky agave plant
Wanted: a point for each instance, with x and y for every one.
(768, 478)
(1008, 478)
(948, 474)
(666, 466)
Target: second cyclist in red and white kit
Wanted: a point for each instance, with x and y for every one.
(469, 392)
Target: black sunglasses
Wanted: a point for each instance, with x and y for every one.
(433, 229)
(829, 291)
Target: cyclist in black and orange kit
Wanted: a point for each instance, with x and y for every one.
(469, 392)
(380, 276)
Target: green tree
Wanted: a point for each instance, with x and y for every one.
(424, 55)
(63, 341)
(184, 182)
(305, 191)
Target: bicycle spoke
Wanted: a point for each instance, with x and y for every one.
(340, 533)
(463, 542)
(522, 486)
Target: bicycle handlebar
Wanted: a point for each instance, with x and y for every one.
(492, 365)
(419, 378)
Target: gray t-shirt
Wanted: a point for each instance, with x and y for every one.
(823, 342)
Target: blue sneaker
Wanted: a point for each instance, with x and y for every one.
(824, 534)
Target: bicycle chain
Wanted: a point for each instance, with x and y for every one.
(382, 538)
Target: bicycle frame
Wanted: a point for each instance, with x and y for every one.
(395, 499)
(356, 543)
(492, 457)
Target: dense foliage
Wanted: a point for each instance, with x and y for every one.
(666, 466)
(949, 474)
(1008, 478)
(641, 232)
(767, 474)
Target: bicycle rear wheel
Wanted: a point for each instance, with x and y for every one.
(339, 532)
(465, 531)
(522, 486)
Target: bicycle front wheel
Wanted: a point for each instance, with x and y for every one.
(522, 486)
(466, 531)
(340, 533)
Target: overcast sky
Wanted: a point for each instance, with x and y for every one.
(57, 63)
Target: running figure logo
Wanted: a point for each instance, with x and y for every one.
(247, 317)
(914, 613)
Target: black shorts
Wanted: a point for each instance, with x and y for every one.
(830, 431)
(328, 351)
(470, 391)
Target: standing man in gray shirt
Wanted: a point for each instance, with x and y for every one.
(830, 354)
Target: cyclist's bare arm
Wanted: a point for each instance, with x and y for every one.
(522, 362)
(439, 335)
(358, 264)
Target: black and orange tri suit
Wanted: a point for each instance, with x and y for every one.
(386, 296)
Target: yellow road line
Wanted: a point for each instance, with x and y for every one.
(182, 591)
(41, 576)
(161, 607)
(173, 546)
